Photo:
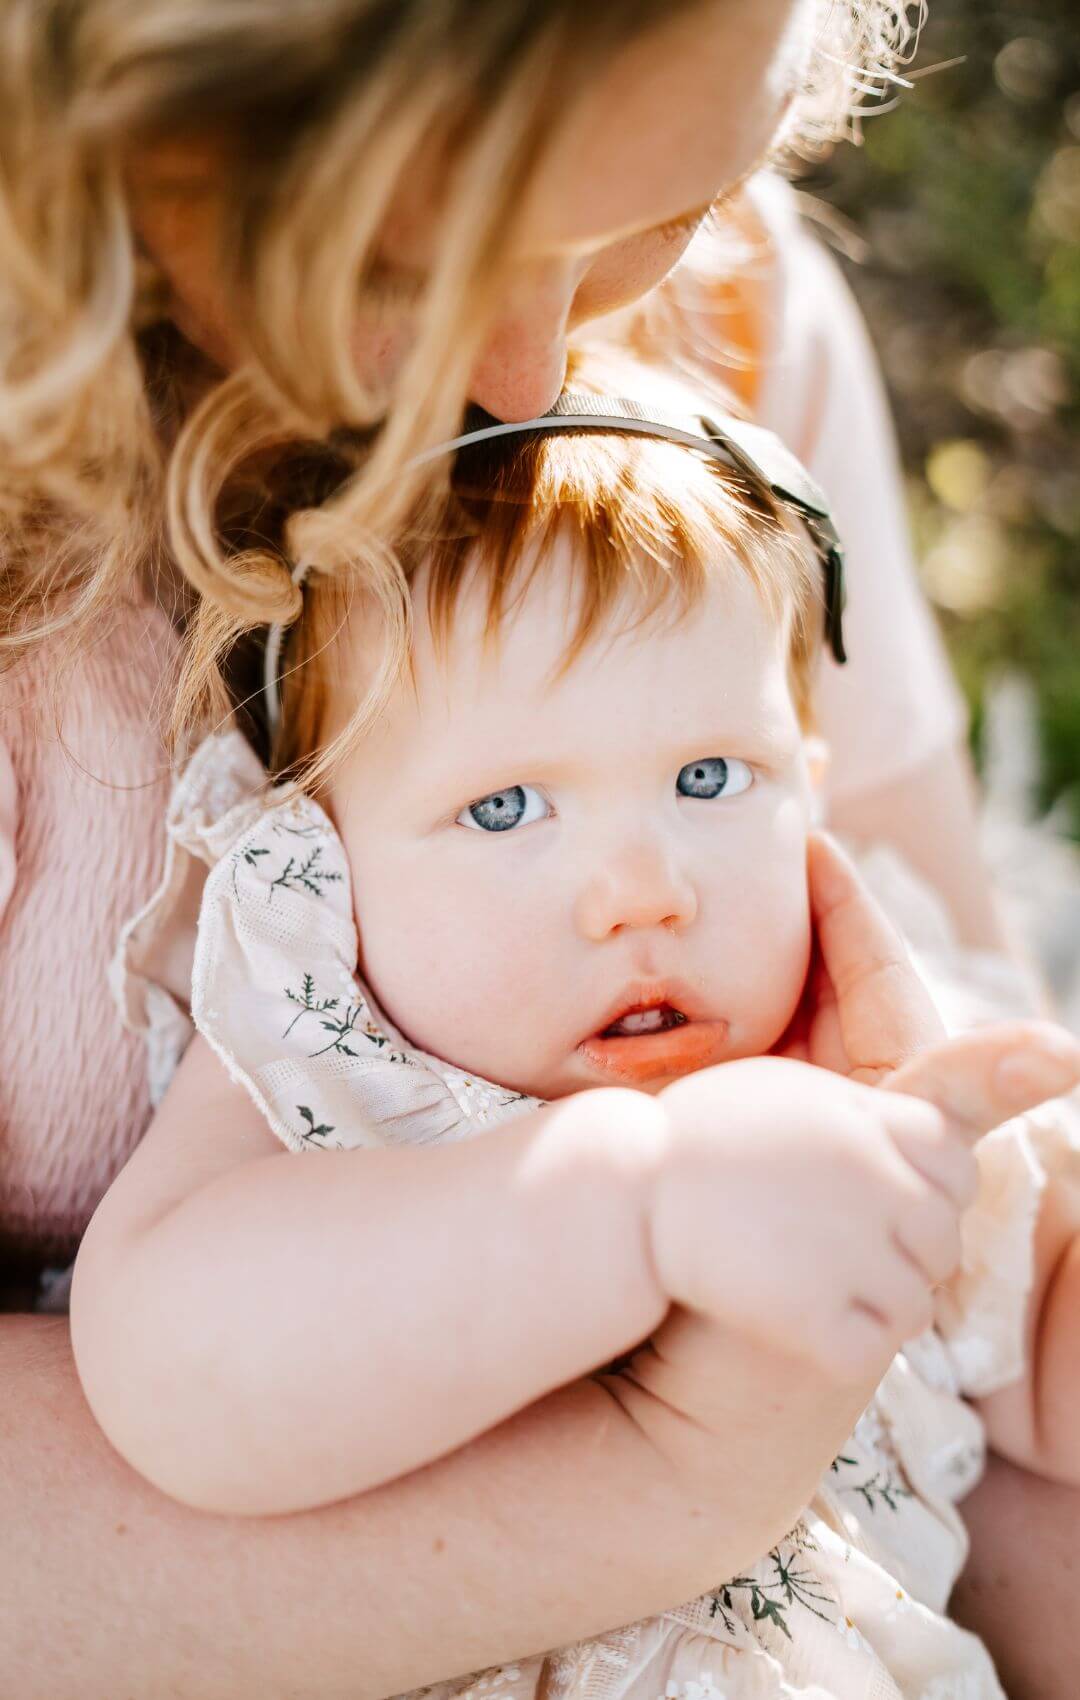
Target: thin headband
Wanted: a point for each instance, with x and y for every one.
(758, 455)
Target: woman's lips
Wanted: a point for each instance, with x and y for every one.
(672, 1052)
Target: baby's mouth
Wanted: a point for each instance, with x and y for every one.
(637, 1021)
(653, 1041)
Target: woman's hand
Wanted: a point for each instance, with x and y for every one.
(865, 1011)
(866, 1014)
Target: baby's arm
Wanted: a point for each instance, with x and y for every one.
(259, 1331)
(1034, 1421)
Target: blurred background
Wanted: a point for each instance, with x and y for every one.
(958, 225)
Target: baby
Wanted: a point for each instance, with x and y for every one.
(552, 892)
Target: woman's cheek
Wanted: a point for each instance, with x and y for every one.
(380, 346)
(624, 273)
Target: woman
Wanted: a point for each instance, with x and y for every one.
(343, 213)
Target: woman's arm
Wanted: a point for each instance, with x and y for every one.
(528, 1538)
(500, 1550)
(1025, 1612)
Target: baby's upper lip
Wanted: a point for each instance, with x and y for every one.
(653, 994)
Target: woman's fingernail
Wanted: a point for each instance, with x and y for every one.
(1039, 1073)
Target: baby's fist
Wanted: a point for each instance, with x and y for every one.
(813, 1212)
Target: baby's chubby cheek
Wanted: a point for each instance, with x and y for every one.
(455, 975)
(763, 945)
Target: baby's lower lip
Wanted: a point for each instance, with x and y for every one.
(642, 1057)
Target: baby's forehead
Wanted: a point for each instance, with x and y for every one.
(726, 643)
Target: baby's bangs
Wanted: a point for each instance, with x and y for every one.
(649, 524)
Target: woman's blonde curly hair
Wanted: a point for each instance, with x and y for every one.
(106, 472)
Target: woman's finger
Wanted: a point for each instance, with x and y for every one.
(981, 1079)
(885, 1013)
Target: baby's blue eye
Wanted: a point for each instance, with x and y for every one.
(713, 776)
(500, 811)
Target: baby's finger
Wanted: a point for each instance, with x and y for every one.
(930, 1237)
(858, 1343)
(941, 1157)
(981, 1079)
(901, 1293)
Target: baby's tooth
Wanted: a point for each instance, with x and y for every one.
(642, 1021)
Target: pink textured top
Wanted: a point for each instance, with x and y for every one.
(81, 808)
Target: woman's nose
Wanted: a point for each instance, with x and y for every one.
(521, 367)
(637, 889)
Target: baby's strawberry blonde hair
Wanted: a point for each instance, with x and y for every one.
(649, 524)
(122, 450)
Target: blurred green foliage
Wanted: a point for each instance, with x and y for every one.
(958, 221)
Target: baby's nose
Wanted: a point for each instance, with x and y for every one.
(636, 889)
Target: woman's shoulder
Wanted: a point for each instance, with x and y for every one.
(82, 733)
(84, 779)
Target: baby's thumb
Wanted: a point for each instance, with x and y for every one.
(984, 1078)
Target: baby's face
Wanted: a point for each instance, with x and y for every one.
(599, 878)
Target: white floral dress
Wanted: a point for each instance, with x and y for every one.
(851, 1605)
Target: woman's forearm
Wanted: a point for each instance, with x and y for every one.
(563, 1521)
(1024, 1611)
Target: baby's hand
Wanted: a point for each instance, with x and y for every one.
(814, 1212)
(820, 1213)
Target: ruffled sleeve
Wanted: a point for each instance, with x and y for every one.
(218, 793)
(982, 1314)
(250, 939)
(275, 993)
